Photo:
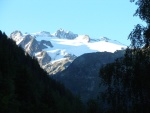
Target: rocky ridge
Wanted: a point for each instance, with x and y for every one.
(55, 52)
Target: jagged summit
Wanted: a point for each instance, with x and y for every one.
(42, 34)
(16, 36)
(61, 33)
(57, 51)
(17, 32)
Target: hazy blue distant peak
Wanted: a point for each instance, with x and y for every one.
(42, 34)
(45, 32)
(61, 33)
(65, 31)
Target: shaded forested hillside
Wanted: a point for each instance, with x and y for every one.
(26, 88)
(82, 76)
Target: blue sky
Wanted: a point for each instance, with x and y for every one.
(110, 18)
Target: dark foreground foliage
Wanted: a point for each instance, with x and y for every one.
(127, 80)
(26, 88)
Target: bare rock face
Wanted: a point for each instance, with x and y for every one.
(36, 48)
(60, 65)
(43, 58)
(33, 47)
(25, 41)
(44, 44)
(65, 34)
(16, 36)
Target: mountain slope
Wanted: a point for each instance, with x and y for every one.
(62, 47)
(82, 76)
(26, 88)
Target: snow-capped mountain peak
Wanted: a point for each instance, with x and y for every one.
(17, 36)
(111, 41)
(61, 33)
(62, 47)
(83, 38)
(42, 34)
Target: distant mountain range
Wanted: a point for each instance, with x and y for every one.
(73, 59)
(55, 52)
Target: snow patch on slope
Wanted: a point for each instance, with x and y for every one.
(79, 46)
(62, 46)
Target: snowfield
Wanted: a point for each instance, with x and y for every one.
(67, 43)
(78, 46)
